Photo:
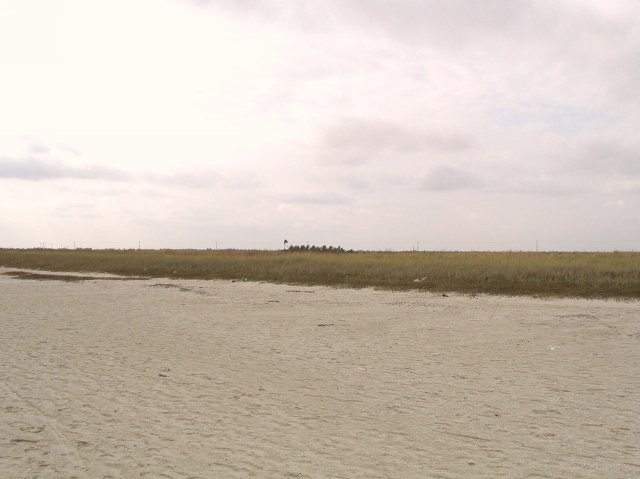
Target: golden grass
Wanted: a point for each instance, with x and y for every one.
(589, 275)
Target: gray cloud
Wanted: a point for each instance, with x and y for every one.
(297, 14)
(315, 199)
(579, 40)
(37, 148)
(451, 23)
(256, 6)
(204, 178)
(543, 186)
(622, 187)
(610, 156)
(445, 178)
(353, 182)
(377, 135)
(35, 169)
(455, 20)
(358, 141)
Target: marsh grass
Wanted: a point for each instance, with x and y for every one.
(588, 275)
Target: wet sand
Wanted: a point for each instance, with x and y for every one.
(201, 379)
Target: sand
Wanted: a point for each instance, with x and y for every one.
(203, 379)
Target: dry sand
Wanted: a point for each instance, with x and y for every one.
(186, 379)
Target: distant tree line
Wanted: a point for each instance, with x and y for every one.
(316, 249)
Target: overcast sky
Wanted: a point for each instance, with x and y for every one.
(461, 124)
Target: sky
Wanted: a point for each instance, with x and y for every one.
(370, 124)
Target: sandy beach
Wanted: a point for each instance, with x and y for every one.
(202, 379)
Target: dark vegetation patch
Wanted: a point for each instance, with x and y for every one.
(68, 278)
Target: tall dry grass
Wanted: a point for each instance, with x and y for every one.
(589, 275)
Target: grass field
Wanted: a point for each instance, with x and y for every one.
(588, 275)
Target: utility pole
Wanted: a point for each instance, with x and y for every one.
(139, 243)
(536, 246)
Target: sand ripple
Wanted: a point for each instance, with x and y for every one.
(109, 379)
